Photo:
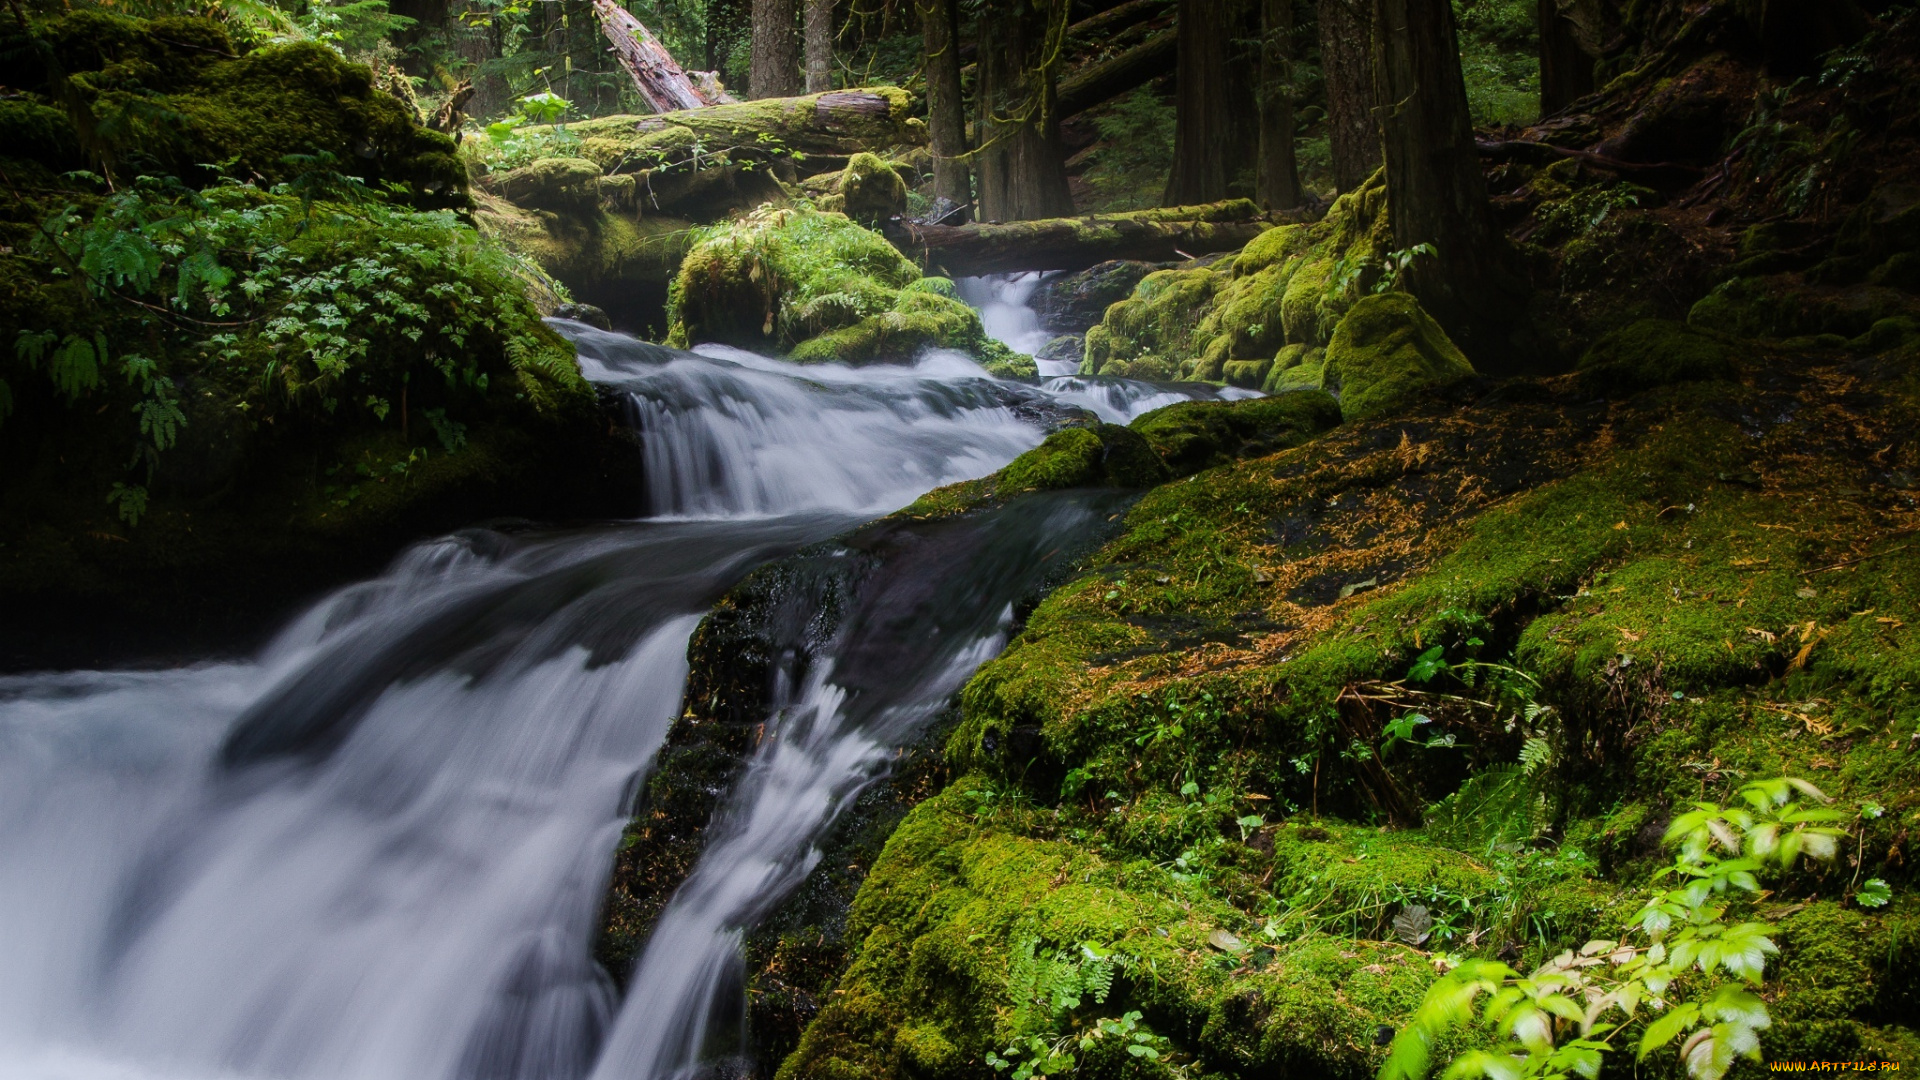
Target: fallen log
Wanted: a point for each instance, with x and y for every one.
(1077, 243)
(834, 124)
(1115, 19)
(660, 80)
(1110, 78)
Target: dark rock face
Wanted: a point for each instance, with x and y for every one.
(1072, 303)
(850, 601)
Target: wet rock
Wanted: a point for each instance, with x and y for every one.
(1065, 349)
(1071, 303)
(584, 313)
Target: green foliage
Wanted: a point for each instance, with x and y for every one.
(1556, 1022)
(1128, 167)
(1499, 59)
(294, 303)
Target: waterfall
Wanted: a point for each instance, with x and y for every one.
(375, 850)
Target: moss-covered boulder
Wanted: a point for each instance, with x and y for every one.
(169, 96)
(1071, 303)
(868, 190)
(1193, 435)
(822, 288)
(1386, 354)
(1654, 352)
(1290, 285)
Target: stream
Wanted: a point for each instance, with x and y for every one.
(376, 849)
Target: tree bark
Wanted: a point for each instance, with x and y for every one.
(661, 82)
(1566, 71)
(1277, 175)
(1020, 161)
(474, 42)
(1210, 145)
(1077, 243)
(1108, 79)
(819, 24)
(775, 68)
(946, 109)
(1436, 193)
(1346, 31)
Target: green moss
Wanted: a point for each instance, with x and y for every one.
(550, 184)
(1193, 435)
(824, 289)
(1296, 367)
(1289, 285)
(168, 96)
(1387, 353)
(769, 126)
(1784, 307)
(1653, 352)
(871, 190)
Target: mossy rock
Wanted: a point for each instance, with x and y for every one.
(820, 287)
(248, 112)
(1073, 302)
(1295, 367)
(871, 190)
(1247, 374)
(1288, 285)
(1386, 354)
(1193, 435)
(1654, 352)
(1781, 306)
(1100, 455)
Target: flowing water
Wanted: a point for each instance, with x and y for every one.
(375, 850)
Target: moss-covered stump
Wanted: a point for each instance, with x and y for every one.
(1291, 285)
(1186, 761)
(169, 96)
(1388, 353)
(821, 288)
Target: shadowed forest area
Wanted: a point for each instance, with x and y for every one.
(1501, 654)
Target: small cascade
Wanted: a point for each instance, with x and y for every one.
(916, 628)
(375, 850)
(1003, 301)
(728, 433)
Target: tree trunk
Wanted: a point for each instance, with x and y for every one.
(1277, 176)
(819, 46)
(661, 82)
(946, 109)
(1566, 71)
(1108, 79)
(775, 69)
(1207, 154)
(474, 43)
(1021, 163)
(1077, 243)
(1436, 193)
(1346, 31)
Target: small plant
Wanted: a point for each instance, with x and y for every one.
(1047, 990)
(1562, 1019)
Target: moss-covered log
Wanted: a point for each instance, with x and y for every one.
(775, 130)
(1178, 232)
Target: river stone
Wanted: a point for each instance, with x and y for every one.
(1387, 353)
(1073, 303)
(1065, 349)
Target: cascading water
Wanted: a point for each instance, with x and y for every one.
(376, 849)
(1005, 305)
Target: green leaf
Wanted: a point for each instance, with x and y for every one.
(1666, 1028)
(1874, 893)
